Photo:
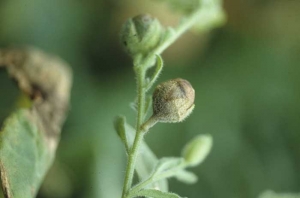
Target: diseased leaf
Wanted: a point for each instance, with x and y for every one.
(156, 194)
(30, 136)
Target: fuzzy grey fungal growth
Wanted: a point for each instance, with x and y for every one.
(173, 100)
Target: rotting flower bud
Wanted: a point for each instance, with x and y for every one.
(197, 149)
(141, 34)
(173, 100)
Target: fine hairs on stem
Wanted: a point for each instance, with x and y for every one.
(144, 39)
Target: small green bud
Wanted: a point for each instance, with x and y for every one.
(173, 100)
(141, 34)
(197, 149)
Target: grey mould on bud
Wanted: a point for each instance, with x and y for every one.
(173, 100)
(141, 34)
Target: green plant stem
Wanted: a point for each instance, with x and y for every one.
(140, 71)
(149, 123)
(155, 178)
(131, 164)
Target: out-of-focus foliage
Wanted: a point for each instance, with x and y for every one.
(246, 76)
(271, 194)
(30, 135)
(24, 156)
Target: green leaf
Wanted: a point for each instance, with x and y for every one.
(146, 161)
(156, 194)
(186, 177)
(24, 156)
(120, 127)
(158, 69)
(167, 163)
(166, 168)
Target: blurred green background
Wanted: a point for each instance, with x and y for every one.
(246, 76)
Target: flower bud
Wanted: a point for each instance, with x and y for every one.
(197, 149)
(141, 34)
(173, 100)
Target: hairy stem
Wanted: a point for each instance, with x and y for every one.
(131, 164)
(140, 71)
